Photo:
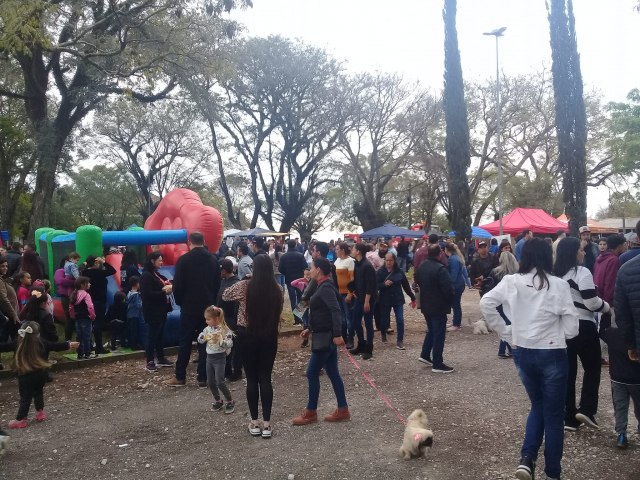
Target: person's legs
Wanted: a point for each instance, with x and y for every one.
(202, 358)
(155, 330)
(331, 367)
(368, 324)
(26, 390)
(218, 372)
(358, 313)
(439, 327)
(572, 373)
(384, 312)
(554, 377)
(69, 323)
(267, 357)
(398, 311)
(250, 362)
(457, 305)
(634, 391)
(589, 353)
(98, 324)
(211, 376)
(184, 352)
(294, 295)
(38, 390)
(427, 344)
(620, 395)
(532, 381)
(317, 360)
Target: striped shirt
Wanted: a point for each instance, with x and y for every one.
(583, 292)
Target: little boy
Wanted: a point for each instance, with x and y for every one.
(134, 313)
(71, 266)
(625, 379)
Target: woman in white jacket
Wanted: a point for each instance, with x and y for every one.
(569, 258)
(543, 317)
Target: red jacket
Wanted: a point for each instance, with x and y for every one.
(604, 275)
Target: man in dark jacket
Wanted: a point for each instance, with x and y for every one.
(292, 265)
(98, 271)
(627, 305)
(481, 267)
(233, 368)
(365, 290)
(195, 287)
(436, 297)
(13, 256)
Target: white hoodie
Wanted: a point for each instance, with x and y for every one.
(540, 319)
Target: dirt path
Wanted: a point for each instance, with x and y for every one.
(117, 421)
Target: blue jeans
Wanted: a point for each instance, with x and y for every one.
(83, 332)
(358, 314)
(280, 280)
(347, 319)
(456, 306)
(385, 313)
(329, 361)
(433, 344)
(402, 263)
(544, 376)
(294, 295)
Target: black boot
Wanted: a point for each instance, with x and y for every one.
(367, 353)
(361, 348)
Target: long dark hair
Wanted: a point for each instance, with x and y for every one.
(148, 264)
(31, 311)
(30, 264)
(566, 256)
(79, 284)
(264, 299)
(537, 254)
(129, 258)
(28, 355)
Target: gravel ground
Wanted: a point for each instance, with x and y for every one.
(117, 421)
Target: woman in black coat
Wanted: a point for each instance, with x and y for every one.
(155, 290)
(391, 281)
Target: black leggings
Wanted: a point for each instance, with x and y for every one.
(258, 356)
(30, 386)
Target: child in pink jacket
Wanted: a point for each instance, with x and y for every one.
(81, 308)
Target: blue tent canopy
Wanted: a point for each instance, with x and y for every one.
(389, 231)
(476, 232)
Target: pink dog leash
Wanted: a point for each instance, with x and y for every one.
(373, 385)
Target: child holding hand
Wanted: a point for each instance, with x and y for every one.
(31, 366)
(219, 339)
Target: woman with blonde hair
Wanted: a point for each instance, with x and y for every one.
(507, 265)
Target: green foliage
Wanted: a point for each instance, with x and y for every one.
(22, 28)
(625, 127)
(541, 192)
(103, 196)
(621, 204)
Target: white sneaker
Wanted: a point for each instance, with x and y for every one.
(453, 328)
(425, 360)
(254, 429)
(266, 432)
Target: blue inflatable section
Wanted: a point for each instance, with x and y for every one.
(171, 334)
(133, 237)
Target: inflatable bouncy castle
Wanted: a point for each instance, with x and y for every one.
(179, 213)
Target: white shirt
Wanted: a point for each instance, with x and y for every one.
(540, 319)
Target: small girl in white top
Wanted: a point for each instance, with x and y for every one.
(219, 339)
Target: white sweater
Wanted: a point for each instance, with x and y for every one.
(217, 341)
(583, 293)
(540, 319)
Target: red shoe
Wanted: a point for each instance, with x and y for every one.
(18, 423)
(41, 416)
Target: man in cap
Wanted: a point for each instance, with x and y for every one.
(481, 267)
(634, 246)
(591, 251)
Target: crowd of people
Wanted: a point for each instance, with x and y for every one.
(551, 302)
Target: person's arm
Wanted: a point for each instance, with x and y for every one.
(201, 335)
(465, 276)
(310, 290)
(178, 289)
(227, 341)
(489, 303)
(381, 277)
(328, 296)
(407, 288)
(48, 328)
(58, 346)
(446, 285)
(624, 314)
(235, 292)
(589, 295)
(90, 309)
(568, 312)
(108, 269)
(5, 304)
(147, 291)
(7, 347)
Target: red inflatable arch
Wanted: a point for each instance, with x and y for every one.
(182, 208)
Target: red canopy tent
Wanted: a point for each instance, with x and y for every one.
(519, 219)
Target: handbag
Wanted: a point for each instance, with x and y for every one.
(321, 341)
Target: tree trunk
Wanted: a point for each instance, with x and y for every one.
(570, 112)
(457, 146)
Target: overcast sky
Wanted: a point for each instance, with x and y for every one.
(407, 36)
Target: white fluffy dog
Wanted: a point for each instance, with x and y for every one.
(417, 436)
(480, 328)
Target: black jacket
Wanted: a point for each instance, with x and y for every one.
(626, 302)
(155, 303)
(126, 272)
(364, 281)
(324, 310)
(436, 289)
(393, 295)
(292, 265)
(621, 368)
(196, 282)
(98, 279)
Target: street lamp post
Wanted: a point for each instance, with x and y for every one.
(498, 32)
